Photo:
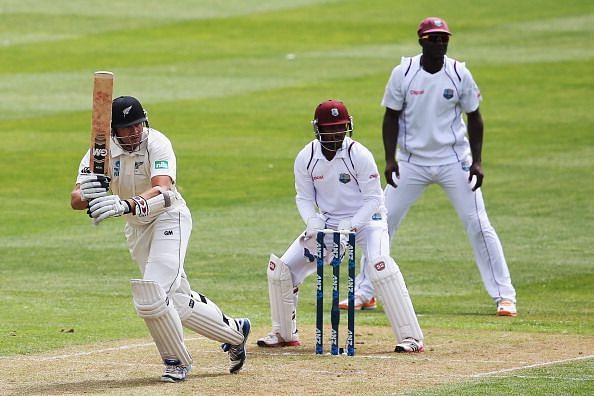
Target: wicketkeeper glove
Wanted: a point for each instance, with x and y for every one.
(94, 186)
(109, 206)
(314, 224)
(345, 225)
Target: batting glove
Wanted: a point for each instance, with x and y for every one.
(94, 186)
(109, 206)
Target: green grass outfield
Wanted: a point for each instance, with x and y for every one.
(234, 85)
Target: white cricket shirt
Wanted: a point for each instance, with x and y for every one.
(348, 187)
(131, 173)
(432, 130)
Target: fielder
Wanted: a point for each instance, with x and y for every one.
(424, 100)
(142, 179)
(338, 187)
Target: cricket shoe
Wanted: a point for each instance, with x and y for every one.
(410, 345)
(274, 340)
(359, 303)
(238, 353)
(174, 371)
(506, 307)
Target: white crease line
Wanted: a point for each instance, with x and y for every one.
(71, 355)
(378, 357)
(507, 370)
(555, 378)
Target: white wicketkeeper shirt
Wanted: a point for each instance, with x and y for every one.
(432, 130)
(346, 188)
(131, 173)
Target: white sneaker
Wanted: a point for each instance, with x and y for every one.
(410, 345)
(359, 303)
(506, 307)
(174, 371)
(274, 340)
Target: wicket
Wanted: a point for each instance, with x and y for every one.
(335, 311)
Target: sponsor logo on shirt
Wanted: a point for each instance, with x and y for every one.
(376, 216)
(163, 164)
(138, 168)
(465, 165)
(415, 92)
(344, 178)
(168, 232)
(116, 168)
(86, 170)
(320, 177)
(448, 93)
(374, 176)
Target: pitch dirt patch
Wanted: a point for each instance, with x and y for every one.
(132, 367)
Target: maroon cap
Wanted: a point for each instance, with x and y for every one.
(331, 112)
(433, 25)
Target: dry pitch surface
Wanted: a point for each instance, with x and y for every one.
(132, 367)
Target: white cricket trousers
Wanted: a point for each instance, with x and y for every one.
(159, 248)
(469, 205)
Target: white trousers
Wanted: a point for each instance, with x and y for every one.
(159, 248)
(470, 207)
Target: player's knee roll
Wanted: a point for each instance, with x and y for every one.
(382, 267)
(277, 270)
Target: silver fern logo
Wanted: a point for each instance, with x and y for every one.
(126, 111)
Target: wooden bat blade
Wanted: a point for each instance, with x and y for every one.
(101, 122)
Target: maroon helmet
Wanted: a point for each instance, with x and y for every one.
(331, 112)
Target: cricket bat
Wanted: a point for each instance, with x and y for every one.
(101, 122)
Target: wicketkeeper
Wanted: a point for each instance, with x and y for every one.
(338, 187)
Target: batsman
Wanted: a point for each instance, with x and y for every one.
(338, 187)
(140, 185)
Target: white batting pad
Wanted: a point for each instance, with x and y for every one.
(282, 298)
(162, 319)
(203, 316)
(390, 287)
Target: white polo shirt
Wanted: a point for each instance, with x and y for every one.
(348, 187)
(432, 130)
(131, 173)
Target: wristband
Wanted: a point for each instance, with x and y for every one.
(142, 209)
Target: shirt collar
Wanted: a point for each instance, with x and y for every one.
(342, 153)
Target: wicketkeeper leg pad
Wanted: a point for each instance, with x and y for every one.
(283, 298)
(203, 316)
(162, 320)
(389, 285)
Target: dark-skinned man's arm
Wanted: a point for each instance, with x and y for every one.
(475, 138)
(390, 130)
